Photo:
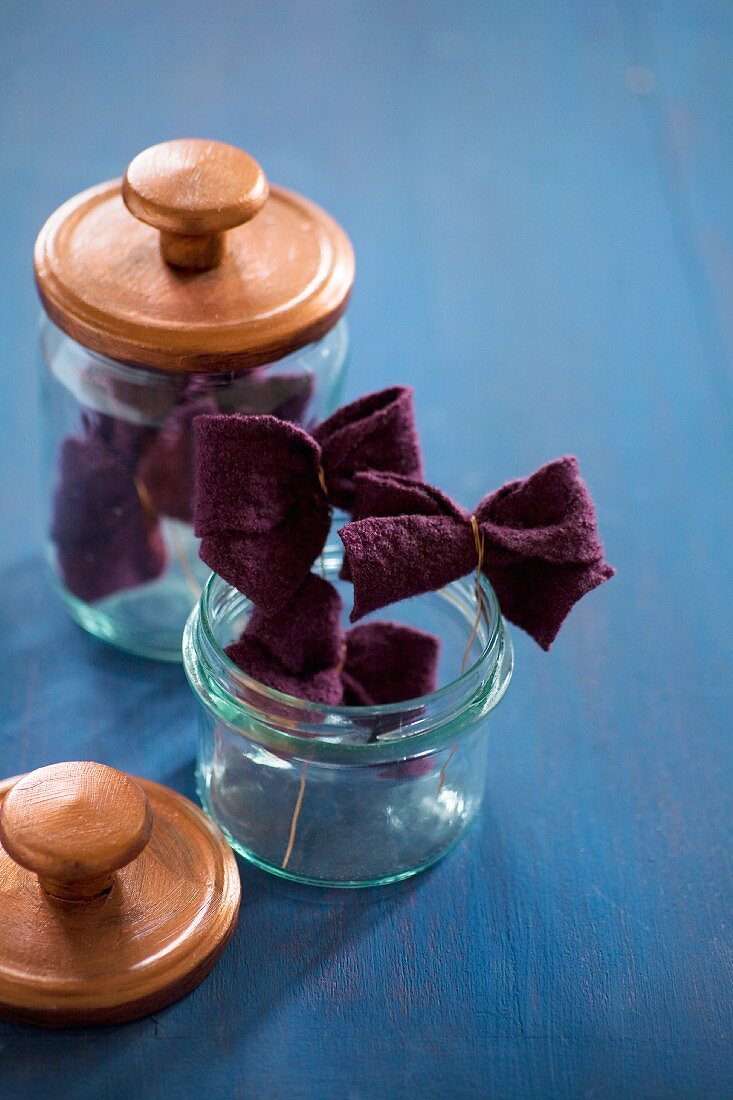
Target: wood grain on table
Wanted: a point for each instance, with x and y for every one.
(539, 195)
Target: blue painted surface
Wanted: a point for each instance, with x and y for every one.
(540, 199)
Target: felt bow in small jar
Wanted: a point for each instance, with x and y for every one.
(536, 539)
(266, 488)
(264, 500)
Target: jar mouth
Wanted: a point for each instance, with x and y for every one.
(247, 704)
(129, 371)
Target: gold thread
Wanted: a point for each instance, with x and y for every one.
(144, 497)
(294, 819)
(179, 551)
(441, 777)
(322, 480)
(478, 538)
(185, 564)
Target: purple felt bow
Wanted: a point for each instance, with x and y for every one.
(265, 488)
(106, 538)
(303, 651)
(537, 540)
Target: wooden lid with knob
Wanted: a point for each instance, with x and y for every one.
(193, 263)
(116, 896)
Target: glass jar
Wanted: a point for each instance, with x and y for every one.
(348, 796)
(118, 472)
(191, 286)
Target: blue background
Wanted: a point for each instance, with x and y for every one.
(539, 195)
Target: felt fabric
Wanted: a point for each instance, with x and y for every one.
(294, 397)
(120, 438)
(106, 539)
(260, 506)
(319, 686)
(119, 476)
(298, 649)
(306, 634)
(138, 397)
(303, 651)
(166, 468)
(410, 769)
(388, 663)
(542, 551)
(375, 432)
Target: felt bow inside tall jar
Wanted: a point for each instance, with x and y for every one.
(107, 537)
(266, 491)
(118, 478)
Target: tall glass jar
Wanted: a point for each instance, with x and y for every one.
(190, 287)
(348, 796)
(118, 466)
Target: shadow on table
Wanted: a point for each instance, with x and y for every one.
(285, 936)
(70, 696)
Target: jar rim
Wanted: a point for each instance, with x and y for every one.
(288, 720)
(128, 369)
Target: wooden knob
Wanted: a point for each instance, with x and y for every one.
(74, 825)
(193, 191)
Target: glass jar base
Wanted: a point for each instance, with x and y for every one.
(149, 619)
(129, 623)
(336, 884)
(374, 838)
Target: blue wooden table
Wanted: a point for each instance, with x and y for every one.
(540, 196)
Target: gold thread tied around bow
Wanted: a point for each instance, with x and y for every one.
(479, 540)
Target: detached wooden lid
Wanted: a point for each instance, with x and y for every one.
(192, 263)
(117, 896)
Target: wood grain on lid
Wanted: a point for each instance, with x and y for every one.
(194, 186)
(263, 277)
(149, 938)
(74, 824)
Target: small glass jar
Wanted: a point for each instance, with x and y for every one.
(348, 796)
(135, 585)
(191, 286)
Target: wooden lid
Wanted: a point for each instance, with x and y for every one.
(192, 263)
(117, 896)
